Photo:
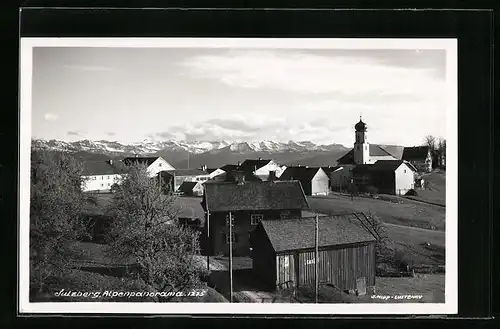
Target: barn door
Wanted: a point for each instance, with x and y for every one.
(361, 286)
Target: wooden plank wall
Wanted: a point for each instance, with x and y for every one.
(285, 271)
(340, 267)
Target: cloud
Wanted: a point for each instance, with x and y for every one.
(76, 133)
(50, 116)
(87, 67)
(110, 133)
(251, 128)
(307, 73)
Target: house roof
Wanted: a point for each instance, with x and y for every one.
(103, 168)
(187, 187)
(143, 160)
(251, 165)
(187, 172)
(275, 195)
(229, 167)
(303, 174)
(415, 153)
(381, 166)
(293, 234)
(330, 169)
(375, 150)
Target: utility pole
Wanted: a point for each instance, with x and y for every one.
(230, 257)
(208, 240)
(316, 259)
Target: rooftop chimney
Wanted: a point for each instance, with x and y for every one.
(137, 155)
(238, 164)
(260, 158)
(110, 161)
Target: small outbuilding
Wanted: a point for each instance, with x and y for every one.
(283, 252)
(314, 180)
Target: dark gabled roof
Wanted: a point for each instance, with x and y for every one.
(393, 164)
(381, 166)
(187, 187)
(210, 170)
(276, 195)
(328, 170)
(294, 234)
(377, 150)
(347, 158)
(229, 167)
(103, 168)
(251, 165)
(415, 153)
(303, 174)
(143, 160)
(187, 172)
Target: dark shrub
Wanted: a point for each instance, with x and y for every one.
(411, 192)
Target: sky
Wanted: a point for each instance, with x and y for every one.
(208, 94)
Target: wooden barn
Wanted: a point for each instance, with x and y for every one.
(283, 253)
(314, 180)
(248, 203)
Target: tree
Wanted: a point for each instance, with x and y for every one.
(56, 206)
(145, 230)
(430, 141)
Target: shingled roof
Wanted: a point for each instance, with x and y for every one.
(143, 160)
(303, 174)
(251, 165)
(415, 153)
(295, 234)
(275, 195)
(381, 165)
(103, 168)
(187, 187)
(187, 172)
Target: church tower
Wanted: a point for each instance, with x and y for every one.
(361, 146)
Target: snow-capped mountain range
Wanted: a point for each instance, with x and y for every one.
(198, 147)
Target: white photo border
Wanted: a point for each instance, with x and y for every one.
(450, 306)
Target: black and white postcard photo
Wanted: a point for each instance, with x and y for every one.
(248, 176)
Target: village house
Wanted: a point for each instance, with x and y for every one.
(420, 157)
(154, 164)
(314, 180)
(100, 176)
(191, 188)
(223, 173)
(180, 176)
(341, 178)
(248, 203)
(328, 171)
(283, 253)
(262, 168)
(385, 176)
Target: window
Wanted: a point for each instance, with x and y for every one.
(159, 164)
(102, 185)
(256, 218)
(227, 219)
(285, 214)
(226, 238)
(405, 171)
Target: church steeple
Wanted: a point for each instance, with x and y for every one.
(361, 146)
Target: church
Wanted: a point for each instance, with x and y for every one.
(364, 152)
(371, 167)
